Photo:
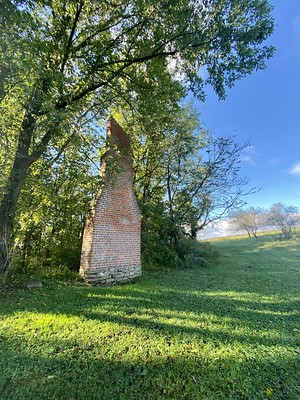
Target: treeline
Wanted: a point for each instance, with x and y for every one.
(280, 216)
(66, 65)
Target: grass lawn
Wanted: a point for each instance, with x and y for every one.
(227, 332)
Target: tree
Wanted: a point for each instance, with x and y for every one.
(54, 202)
(203, 181)
(184, 179)
(284, 217)
(63, 58)
(215, 185)
(250, 220)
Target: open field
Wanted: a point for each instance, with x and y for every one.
(227, 332)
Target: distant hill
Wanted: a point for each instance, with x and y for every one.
(223, 229)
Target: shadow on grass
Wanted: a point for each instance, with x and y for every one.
(203, 344)
(222, 317)
(68, 371)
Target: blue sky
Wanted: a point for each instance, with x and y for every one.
(264, 109)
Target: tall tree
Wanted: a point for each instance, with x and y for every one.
(210, 182)
(184, 177)
(56, 198)
(61, 57)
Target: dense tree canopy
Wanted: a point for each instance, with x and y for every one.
(65, 64)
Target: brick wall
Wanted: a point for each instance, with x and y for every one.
(111, 248)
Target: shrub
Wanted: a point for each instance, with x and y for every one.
(194, 254)
(187, 253)
(157, 254)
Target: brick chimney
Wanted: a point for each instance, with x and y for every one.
(111, 248)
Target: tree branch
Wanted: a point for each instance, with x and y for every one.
(103, 29)
(43, 143)
(126, 63)
(70, 41)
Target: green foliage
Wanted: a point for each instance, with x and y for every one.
(64, 65)
(184, 179)
(157, 249)
(194, 254)
(228, 332)
(158, 255)
(54, 203)
(14, 278)
(165, 246)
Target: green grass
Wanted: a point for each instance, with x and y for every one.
(227, 332)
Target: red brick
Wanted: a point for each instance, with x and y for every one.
(112, 231)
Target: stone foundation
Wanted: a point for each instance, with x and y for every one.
(112, 276)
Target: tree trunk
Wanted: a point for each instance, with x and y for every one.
(3, 249)
(194, 229)
(13, 189)
(8, 209)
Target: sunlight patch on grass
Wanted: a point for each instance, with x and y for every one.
(222, 333)
(242, 296)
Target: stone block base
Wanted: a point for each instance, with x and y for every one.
(112, 275)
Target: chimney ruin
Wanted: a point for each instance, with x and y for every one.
(111, 247)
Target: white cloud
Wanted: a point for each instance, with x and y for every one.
(250, 155)
(295, 170)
